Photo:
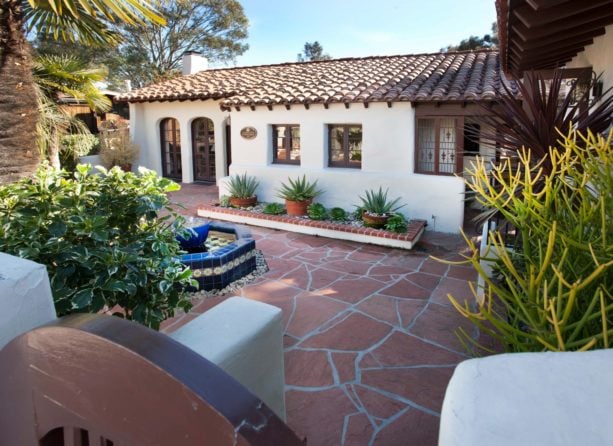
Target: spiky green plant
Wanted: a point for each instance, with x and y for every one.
(299, 189)
(317, 211)
(338, 214)
(242, 186)
(554, 292)
(377, 203)
(273, 209)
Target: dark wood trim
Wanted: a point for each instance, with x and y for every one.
(287, 144)
(209, 155)
(175, 131)
(460, 109)
(346, 162)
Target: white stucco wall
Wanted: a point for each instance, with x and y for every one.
(387, 159)
(145, 121)
(387, 154)
(599, 56)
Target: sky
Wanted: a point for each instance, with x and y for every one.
(279, 29)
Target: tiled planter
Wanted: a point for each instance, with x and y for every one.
(320, 228)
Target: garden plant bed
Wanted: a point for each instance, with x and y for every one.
(323, 228)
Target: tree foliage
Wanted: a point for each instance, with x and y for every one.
(487, 41)
(86, 21)
(313, 51)
(215, 28)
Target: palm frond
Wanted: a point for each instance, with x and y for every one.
(87, 21)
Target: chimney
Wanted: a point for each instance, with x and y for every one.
(193, 62)
(128, 84)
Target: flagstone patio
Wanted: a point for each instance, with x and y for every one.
(369, 332)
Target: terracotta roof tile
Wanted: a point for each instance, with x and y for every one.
(454, 76)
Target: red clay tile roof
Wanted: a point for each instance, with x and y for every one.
(457, 76)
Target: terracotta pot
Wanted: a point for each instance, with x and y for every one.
(243, 202)
(374, 221)
(297, 208)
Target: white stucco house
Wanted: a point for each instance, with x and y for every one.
(352, 124)
(400, 122)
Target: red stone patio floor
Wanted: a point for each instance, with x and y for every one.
(369, 333)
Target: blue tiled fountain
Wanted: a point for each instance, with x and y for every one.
(230, 254)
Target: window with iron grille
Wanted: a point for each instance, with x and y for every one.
(286, 144)
(345, 145)
(439, 145)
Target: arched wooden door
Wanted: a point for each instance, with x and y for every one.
(170, 136)
(203, 149)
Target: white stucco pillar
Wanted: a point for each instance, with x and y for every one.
(187, 165)
(219, 125)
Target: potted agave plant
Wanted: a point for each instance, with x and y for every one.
(298, 195)
(242, 190)
(377, 209)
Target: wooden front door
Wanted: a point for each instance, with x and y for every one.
(203, 149)
(171, 149)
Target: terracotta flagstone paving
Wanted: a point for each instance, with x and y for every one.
(369, 334)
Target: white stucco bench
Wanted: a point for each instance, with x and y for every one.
(241, 336)
(530, 399)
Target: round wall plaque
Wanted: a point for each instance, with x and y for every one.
(249, 132)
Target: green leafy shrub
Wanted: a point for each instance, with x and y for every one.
(242, 186)
(377, 203)
(299, 189)
(101, 239)
(74, 146)
(338, 214)
(274, 209)
(396, 223)
(554, 290)
(317, 211)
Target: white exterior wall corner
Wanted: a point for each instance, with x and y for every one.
(598, 55)
(388, 153)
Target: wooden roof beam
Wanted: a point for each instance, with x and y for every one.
(593, 19)
(533, 19)
(544, 4)
(560, 49)
(559, 39)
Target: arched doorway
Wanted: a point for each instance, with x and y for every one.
(203, 149)
(171, 148)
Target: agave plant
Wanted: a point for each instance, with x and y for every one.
(377, 203)
(242, 186)
(299, 190)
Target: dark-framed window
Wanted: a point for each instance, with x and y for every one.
(472, 130)
(345, 145)
(439, 145)
(170, 136)
(286, 144)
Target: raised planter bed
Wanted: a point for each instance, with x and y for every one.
(321, 228)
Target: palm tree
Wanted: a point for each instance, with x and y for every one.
(85, 21)
(55, 76)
